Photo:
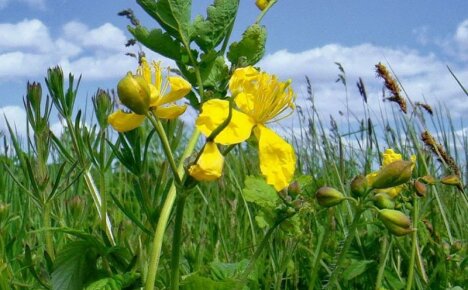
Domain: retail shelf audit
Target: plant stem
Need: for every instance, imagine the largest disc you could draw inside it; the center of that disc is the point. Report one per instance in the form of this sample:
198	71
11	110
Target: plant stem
245	275
318	255
48	233
346	245
384	250
414	240
165	214
176	241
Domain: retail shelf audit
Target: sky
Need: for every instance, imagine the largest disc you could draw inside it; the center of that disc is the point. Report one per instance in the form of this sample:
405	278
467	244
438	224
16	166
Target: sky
418	39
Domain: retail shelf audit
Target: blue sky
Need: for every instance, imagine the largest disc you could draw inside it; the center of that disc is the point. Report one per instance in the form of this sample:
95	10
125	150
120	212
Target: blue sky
417	38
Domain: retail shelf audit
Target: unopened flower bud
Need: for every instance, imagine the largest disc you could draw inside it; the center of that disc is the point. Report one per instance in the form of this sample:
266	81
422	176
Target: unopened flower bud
450	180
34	95
395	221
383	200
134	93
359	186
328	196
420	188
262	4
102	106
294	188
428	179
393	174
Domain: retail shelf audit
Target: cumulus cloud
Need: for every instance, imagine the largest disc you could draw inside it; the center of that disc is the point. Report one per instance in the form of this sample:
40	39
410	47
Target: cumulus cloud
423	76
27	49
461	39
16	117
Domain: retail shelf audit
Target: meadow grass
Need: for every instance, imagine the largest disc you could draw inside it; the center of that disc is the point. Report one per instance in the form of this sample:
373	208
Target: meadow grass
53	235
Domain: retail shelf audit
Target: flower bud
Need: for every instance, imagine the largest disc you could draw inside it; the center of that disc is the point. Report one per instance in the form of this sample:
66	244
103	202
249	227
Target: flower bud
294	189
34	95
262	4
134	93
359	186
102	106
393	174
450	180
76	204
383	200
420	188
395	221
328	196
428	179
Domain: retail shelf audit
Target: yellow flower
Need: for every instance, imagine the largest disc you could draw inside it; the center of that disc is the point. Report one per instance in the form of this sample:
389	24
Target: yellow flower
210	164
260	98
160	96
389	156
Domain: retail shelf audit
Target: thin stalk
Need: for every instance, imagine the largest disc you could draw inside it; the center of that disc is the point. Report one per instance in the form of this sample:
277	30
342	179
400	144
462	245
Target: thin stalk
176	241
48	233
384	251
318	256
264	11
166	146
346	245
414	240
165	214
102	181
263	244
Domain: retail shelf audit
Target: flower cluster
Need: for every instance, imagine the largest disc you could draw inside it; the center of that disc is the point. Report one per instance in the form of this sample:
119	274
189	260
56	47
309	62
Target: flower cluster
259	99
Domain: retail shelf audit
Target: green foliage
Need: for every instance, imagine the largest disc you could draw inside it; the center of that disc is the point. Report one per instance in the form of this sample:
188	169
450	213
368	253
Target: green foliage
250	49
209	32
256	190
159	41
117	282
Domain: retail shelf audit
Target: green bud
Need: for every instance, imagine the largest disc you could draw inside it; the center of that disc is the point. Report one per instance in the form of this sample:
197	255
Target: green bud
450	180
395	221
328	196
393	174
428	179
34	96
359	186
134	93
383	200
102	107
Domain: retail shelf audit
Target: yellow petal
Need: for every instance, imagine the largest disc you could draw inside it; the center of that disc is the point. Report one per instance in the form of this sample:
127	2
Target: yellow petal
179	88
210	164
124	122
170	112
277	158
245	102
243	79
389	156
214	113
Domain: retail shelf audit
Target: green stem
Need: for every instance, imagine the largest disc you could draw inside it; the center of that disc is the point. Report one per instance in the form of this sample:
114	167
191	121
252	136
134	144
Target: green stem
346	245
384	250
166	146
48	233
245	275
318	256
164	216
264	11
414	240
176	241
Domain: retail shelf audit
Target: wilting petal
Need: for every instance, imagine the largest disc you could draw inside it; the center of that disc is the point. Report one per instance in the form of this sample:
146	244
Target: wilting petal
214	113
170	112
179	88
277	158
210	164
124	122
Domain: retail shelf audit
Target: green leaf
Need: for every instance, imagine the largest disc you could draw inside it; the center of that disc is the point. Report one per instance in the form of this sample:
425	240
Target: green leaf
211	31
223	271
158	41
356	268
250	49
173	15
74	266
196	282
116	282
213	71
256	190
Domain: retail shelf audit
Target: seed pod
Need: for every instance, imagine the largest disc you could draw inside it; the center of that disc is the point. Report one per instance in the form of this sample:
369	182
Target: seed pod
428	179
328	196
359	186
134	93
383	200
395	221
393	174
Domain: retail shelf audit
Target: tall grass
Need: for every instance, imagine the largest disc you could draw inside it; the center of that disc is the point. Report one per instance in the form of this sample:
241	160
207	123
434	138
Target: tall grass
49	219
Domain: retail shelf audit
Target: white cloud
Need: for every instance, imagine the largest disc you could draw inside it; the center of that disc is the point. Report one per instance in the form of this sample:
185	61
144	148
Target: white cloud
16	117
422	76
461	39
27	49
